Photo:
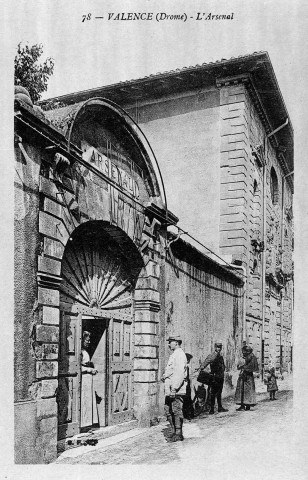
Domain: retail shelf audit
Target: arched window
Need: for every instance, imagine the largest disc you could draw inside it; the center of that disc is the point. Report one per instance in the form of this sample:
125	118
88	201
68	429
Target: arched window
274	186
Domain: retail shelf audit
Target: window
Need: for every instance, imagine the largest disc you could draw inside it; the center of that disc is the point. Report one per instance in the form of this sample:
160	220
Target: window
274	186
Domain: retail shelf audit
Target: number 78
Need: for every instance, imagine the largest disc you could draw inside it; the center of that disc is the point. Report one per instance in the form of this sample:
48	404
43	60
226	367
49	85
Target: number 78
86	17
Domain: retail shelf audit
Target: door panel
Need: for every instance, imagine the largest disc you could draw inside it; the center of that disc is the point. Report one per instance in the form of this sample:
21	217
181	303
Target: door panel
68	395
121	370
65	399
99	327
127	341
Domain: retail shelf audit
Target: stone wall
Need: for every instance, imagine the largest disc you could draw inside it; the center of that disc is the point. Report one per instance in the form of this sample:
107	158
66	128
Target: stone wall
148	336
278	255
180	124
203	304
234	176
50	207
241	220
35	340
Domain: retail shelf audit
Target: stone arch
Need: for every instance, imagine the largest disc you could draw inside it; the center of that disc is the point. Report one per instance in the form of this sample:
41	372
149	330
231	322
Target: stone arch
73	119
78	202
100	267
139	276
109	241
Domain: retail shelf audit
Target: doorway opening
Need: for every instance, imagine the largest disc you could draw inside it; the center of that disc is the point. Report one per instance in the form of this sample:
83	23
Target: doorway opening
98	280
94	373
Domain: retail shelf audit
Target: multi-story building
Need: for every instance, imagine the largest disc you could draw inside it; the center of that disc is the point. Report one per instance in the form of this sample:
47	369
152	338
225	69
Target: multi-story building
224	142
98	249
92	255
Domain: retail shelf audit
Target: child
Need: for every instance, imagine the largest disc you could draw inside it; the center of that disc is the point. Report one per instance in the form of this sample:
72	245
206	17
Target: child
272	383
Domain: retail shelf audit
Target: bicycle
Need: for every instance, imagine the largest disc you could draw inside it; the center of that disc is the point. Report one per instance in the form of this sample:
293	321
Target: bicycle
200	400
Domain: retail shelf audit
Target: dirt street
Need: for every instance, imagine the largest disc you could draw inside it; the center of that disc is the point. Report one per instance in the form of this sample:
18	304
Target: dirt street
259	444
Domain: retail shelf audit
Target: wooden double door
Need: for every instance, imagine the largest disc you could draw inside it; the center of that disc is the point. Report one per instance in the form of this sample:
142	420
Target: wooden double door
96	296
110	390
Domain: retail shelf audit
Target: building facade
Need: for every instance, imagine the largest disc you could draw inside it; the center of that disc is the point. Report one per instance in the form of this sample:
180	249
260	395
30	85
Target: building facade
224	141
92	253
102	178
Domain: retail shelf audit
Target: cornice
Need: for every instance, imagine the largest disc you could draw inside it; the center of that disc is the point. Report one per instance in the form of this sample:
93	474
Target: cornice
150	305
48	280
42	131
248	82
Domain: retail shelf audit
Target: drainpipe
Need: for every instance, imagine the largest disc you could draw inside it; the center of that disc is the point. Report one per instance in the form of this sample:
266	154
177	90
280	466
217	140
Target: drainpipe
282	291
282	208
281	332
240	267
292	333
263	264
278	128
282	250
264	239
288	174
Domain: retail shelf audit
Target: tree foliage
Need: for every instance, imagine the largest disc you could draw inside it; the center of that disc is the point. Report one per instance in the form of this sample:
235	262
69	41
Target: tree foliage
31	74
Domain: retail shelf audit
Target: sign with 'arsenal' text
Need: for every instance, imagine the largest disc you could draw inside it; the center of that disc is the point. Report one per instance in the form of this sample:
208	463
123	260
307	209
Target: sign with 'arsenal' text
110	168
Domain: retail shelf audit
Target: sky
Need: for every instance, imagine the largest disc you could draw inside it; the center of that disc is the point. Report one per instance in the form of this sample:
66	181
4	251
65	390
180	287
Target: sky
99	52
96	52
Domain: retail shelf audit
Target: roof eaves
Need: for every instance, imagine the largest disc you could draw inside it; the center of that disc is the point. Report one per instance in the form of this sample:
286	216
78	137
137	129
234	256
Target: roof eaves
224	270
154	77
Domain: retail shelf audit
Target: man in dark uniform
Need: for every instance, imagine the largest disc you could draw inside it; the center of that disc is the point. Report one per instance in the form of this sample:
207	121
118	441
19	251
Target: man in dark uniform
217	365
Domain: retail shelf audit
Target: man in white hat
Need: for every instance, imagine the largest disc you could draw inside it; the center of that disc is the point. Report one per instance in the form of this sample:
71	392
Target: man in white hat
175	387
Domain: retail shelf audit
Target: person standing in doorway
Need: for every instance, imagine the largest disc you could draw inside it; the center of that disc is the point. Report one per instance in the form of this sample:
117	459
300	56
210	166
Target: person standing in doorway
217	365
245	393
175	387
89	415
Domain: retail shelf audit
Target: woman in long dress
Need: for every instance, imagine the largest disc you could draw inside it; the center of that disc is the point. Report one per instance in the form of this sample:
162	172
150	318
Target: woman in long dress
89	415
245	394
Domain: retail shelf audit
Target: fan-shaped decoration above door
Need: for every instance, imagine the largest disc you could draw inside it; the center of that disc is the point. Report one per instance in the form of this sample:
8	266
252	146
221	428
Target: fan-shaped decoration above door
95	274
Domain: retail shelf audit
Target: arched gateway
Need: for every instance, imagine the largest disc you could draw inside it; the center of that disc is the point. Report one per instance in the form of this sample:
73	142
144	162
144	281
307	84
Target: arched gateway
102	220
96	295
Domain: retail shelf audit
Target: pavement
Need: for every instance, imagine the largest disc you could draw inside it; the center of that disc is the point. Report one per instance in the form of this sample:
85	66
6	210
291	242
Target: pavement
259	442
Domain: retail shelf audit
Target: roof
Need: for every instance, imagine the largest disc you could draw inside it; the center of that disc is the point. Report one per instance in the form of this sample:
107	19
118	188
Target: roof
188	252
235	65
257	65
177	73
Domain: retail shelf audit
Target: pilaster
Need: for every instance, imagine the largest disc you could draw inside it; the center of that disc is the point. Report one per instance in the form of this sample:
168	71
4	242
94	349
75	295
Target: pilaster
234	154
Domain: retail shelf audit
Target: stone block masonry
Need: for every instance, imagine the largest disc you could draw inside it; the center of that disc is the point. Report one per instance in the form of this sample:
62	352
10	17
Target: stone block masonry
147	306
47	333
51	315
49	388
46	369
48	424
46	351
234	151
48	297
